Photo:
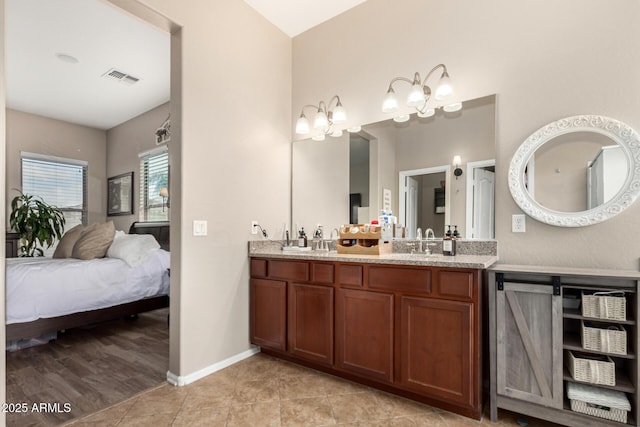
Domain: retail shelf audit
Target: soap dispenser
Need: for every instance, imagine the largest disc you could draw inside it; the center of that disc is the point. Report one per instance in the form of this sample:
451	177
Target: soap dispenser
302	239
449	243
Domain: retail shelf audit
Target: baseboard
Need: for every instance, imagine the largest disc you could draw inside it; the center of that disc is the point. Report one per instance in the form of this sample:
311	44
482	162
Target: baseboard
182	380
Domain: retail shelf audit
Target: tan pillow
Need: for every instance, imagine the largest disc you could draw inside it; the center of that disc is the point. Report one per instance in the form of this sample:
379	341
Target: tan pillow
65	246
94	241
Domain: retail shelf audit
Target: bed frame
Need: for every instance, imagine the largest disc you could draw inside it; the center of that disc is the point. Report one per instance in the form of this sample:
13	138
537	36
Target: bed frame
15	331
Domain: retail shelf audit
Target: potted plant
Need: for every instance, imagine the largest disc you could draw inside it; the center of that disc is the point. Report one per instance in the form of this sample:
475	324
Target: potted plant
37	223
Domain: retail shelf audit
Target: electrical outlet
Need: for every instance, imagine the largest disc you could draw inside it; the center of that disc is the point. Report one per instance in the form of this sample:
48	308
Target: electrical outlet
518	223
254	227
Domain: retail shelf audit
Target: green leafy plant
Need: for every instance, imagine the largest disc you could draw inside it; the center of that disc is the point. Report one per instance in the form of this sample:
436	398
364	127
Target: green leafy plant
37	223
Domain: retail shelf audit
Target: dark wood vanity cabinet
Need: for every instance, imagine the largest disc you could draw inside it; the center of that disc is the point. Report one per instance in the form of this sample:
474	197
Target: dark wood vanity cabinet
411	330
310	322
364	333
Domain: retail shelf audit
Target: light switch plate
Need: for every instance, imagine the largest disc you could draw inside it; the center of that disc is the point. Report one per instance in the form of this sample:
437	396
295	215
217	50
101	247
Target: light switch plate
199	228
518	223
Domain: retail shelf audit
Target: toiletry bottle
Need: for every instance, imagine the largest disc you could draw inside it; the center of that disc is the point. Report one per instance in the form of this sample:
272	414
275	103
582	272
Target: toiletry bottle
449	243
456	233
302	239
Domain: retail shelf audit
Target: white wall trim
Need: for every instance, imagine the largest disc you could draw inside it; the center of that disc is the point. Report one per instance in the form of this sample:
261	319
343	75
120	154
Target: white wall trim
179	380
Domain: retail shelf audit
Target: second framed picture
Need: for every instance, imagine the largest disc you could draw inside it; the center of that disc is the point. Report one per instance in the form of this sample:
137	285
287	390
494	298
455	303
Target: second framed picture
120	194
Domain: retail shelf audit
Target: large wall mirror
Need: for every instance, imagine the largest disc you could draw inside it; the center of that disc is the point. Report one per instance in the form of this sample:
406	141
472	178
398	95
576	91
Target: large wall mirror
351	178
577	171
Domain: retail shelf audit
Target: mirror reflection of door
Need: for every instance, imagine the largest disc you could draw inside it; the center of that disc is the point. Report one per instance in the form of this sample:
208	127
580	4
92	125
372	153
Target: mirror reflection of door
483	222
359	180
423	201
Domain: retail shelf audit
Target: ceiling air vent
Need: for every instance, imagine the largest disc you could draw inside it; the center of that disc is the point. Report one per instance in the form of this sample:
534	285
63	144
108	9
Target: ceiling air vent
121	77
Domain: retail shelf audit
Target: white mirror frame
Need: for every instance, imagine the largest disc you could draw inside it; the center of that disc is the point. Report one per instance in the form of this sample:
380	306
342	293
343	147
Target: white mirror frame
617	131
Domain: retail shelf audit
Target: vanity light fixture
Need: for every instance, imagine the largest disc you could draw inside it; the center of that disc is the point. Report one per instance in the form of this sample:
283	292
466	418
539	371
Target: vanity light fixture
456	162
324	119
420	94
354	129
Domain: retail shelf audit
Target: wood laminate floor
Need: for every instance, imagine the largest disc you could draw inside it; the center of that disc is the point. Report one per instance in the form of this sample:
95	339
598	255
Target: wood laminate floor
89	369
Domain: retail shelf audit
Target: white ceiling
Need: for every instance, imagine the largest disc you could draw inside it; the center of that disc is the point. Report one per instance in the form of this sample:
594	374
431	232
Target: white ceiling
102	37
296	16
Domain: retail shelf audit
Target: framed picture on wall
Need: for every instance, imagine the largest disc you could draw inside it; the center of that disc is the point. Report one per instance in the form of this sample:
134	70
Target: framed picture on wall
120	194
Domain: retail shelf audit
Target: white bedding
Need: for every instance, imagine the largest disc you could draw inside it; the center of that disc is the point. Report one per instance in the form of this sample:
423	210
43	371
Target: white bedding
44	287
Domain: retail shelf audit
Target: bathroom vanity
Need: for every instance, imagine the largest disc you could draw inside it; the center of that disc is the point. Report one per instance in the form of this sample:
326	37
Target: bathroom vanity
406	324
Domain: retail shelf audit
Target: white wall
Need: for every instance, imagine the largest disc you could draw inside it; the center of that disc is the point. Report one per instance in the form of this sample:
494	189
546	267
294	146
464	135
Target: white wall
42	135
124	143
544	59
230	153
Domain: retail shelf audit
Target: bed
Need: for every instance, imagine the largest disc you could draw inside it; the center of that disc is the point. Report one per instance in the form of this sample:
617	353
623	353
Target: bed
44	295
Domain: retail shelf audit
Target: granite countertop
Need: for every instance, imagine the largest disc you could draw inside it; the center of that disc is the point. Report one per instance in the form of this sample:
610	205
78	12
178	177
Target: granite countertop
435	260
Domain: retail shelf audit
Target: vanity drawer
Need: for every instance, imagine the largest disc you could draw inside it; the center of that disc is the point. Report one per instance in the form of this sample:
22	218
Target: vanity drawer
258	268
458	284
400	279
350	275
289	270
322	273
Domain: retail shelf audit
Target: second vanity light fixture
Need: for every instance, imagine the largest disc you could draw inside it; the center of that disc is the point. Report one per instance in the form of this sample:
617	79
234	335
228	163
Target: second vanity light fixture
456	162
420	94
326	116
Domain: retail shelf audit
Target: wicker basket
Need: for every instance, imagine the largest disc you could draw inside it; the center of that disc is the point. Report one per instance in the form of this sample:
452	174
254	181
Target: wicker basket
603	337
605	305
598	402
591	368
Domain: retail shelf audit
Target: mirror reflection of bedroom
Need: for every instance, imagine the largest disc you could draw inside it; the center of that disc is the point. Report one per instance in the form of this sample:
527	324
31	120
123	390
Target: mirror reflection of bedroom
88	129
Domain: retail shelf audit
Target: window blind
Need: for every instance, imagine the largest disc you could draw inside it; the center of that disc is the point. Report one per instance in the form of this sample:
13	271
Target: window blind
59	182
154	175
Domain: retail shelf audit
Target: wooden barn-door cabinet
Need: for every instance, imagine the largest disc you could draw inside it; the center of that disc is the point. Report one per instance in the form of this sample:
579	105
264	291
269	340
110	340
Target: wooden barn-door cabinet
529	343
533	338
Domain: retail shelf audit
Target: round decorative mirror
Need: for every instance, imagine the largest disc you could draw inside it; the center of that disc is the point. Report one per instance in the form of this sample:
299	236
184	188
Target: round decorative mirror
577	171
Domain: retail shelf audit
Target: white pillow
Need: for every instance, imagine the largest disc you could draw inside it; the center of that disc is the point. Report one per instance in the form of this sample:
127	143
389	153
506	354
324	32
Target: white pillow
133	249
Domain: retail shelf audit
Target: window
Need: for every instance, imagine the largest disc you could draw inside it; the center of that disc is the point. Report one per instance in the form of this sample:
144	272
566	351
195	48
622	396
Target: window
59	182
154	185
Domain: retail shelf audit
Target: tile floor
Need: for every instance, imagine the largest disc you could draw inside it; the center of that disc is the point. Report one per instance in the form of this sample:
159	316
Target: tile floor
265	391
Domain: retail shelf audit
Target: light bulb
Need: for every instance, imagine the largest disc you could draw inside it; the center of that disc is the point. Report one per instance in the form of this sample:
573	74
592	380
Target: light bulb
390	103
444	91
416	96
339	115
320	121
457	160
302	125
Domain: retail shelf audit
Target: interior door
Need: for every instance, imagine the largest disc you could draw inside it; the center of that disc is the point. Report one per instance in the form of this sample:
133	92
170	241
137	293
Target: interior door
411	193
483	204
529	343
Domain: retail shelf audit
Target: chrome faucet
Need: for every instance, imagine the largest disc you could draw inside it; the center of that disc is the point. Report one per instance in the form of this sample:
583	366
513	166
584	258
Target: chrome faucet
429	236
319	235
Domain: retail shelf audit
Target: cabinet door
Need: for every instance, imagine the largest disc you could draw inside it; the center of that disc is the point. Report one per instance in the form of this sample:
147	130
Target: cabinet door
529	343
364	333
268	313
311	322
437	348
